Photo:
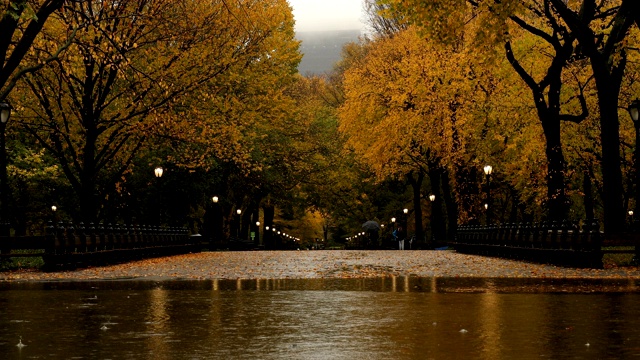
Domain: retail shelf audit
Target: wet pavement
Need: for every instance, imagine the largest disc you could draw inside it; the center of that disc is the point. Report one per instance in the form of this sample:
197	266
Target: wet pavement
323	264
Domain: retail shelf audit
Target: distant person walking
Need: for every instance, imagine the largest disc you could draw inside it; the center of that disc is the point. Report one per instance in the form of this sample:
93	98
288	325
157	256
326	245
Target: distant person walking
400	235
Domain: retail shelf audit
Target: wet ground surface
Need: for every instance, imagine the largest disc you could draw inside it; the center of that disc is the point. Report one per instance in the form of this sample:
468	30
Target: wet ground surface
330	264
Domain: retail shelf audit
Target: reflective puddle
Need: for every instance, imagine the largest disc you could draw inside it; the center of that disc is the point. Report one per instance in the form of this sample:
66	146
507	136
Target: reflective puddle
387	318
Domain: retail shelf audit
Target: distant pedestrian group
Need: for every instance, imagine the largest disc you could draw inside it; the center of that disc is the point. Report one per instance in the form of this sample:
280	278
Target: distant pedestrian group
400	235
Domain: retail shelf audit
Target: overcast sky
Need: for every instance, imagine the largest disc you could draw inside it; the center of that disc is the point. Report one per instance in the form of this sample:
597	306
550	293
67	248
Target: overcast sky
315	15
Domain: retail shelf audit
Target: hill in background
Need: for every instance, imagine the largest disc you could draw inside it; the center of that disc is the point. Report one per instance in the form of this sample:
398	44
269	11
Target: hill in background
322	49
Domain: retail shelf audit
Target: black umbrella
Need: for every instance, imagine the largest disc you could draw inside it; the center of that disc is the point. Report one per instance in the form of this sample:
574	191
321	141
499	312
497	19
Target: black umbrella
371	225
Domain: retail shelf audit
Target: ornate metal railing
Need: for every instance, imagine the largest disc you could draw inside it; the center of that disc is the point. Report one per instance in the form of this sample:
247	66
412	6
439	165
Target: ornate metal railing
77	244
566	243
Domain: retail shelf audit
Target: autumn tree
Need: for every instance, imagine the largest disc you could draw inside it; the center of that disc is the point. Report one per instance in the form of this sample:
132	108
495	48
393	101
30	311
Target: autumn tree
21	24
407	110
132	75
598	30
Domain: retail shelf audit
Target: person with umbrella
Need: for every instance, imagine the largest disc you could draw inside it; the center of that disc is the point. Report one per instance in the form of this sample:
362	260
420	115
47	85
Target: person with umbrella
371	228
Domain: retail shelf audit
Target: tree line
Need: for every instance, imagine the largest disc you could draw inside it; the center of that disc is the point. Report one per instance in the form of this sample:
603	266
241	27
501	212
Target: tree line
105	91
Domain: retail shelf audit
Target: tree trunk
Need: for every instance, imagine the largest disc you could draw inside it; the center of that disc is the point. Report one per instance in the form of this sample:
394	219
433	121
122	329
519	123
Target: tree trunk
437	221
611	171
588	197
255	229
556	197
549	114
416	184
246	223
269	212
451	206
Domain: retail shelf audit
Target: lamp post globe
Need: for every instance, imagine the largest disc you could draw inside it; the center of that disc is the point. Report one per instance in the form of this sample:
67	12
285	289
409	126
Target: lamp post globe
5	111
634	110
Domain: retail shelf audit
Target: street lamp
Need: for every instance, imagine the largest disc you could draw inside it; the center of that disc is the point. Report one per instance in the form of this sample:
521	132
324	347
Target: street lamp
488	169
432	198
405	219
158	172
238	212
5	114
634	109
216	222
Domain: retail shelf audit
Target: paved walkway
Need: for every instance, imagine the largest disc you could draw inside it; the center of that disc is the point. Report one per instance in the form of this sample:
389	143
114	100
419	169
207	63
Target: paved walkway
322	264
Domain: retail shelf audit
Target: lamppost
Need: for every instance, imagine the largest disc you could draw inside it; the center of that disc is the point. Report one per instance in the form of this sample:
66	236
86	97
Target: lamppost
433	222
158	172
53	210
634	109
257	240
216	223
488	169
5	114
238	212
405	218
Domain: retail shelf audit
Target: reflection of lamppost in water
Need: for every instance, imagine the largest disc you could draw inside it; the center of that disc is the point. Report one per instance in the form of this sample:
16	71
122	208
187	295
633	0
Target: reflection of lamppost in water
5	114
488	206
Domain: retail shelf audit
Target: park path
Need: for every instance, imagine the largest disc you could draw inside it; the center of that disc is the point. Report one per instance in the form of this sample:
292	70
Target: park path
321	264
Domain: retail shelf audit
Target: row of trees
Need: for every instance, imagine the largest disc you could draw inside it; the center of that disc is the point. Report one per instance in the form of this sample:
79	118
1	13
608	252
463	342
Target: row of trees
105	91
538	89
